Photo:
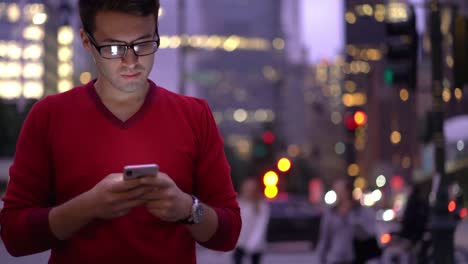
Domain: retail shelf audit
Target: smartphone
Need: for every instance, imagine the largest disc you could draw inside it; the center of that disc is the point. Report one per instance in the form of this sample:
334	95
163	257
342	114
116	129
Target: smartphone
136	171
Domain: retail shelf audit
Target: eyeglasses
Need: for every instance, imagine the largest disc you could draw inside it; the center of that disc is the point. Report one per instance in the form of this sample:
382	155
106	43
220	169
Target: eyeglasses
118	51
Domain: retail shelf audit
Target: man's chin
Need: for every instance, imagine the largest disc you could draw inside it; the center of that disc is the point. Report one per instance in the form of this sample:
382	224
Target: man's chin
133	86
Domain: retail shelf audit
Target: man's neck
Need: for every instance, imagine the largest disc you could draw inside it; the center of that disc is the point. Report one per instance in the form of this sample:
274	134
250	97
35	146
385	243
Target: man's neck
114	96
122	104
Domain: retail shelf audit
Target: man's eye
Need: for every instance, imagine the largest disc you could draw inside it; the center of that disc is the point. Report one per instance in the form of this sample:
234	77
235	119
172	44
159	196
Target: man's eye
115	50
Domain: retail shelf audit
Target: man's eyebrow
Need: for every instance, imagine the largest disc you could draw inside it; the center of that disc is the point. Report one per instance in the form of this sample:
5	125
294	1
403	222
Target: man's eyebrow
111	40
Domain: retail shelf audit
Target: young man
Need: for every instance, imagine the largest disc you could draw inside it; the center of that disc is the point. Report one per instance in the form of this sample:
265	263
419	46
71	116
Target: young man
66	190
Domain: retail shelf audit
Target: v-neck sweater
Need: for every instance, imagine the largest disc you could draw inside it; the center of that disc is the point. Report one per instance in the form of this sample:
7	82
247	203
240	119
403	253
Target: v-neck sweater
91	90
71	141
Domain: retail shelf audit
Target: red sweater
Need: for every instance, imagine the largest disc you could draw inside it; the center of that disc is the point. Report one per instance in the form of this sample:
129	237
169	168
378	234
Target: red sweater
71	141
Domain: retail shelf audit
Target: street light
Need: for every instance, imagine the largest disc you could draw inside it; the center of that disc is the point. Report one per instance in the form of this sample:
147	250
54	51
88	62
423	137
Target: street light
284	164
270	180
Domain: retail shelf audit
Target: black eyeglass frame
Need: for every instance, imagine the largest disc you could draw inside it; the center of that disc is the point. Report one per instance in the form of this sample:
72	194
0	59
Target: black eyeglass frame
127	46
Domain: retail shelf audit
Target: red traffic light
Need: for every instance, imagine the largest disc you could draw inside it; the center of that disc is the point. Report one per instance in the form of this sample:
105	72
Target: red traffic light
463	213
353	120
268	137
360	118
452	206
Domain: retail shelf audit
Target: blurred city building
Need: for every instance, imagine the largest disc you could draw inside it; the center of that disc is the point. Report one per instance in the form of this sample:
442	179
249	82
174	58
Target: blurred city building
395	142
247	61
22	52
388	144
39	56
23	65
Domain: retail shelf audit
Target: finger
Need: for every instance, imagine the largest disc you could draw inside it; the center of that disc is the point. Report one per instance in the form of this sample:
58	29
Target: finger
153	195
133	194
124	185
161	181
148	180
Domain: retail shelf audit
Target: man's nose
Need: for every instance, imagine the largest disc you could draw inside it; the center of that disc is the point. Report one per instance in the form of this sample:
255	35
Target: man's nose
130	57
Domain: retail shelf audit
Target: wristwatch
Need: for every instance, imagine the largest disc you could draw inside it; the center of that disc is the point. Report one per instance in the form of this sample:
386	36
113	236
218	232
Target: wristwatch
196	213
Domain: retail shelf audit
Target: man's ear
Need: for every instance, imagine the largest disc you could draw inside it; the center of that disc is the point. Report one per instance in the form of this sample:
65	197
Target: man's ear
85	40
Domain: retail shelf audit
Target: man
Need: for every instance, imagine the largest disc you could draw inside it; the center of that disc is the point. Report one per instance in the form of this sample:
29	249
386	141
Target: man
66	190
347	230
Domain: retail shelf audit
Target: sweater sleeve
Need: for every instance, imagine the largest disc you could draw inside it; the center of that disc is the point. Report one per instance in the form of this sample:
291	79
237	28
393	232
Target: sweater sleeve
213	184
24	219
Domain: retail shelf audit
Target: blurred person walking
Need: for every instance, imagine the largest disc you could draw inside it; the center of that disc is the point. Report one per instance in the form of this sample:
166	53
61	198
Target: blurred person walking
255	214
413	240
415	215
347	230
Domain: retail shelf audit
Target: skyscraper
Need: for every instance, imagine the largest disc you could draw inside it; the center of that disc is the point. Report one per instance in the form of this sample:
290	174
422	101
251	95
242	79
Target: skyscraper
388	144
246	73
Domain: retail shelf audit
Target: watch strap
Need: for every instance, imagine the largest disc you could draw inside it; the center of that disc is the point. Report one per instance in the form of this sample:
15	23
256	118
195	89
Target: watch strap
193	218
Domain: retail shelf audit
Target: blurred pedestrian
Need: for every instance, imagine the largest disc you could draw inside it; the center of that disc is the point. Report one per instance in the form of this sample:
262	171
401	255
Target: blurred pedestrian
255	213
66	191
345	229
411	240
415	216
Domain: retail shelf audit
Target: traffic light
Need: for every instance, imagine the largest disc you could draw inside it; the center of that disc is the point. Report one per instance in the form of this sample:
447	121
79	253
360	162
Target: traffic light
263	162
263	153
360	118
263	147
268	137
259	150
270	180
402	46
354	119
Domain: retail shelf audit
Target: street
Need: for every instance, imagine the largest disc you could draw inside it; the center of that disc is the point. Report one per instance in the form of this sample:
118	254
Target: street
277	253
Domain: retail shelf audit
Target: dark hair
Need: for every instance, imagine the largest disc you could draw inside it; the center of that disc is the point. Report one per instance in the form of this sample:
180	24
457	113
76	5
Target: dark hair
89	9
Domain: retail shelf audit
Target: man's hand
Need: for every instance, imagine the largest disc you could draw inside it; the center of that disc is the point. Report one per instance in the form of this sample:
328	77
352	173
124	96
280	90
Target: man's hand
166	200
114	197
111	197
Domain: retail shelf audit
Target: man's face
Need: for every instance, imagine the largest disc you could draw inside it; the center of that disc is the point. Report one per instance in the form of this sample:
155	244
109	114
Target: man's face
129	73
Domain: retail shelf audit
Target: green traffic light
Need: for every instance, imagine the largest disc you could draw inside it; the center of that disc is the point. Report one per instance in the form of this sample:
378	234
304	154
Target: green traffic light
260	151
388	76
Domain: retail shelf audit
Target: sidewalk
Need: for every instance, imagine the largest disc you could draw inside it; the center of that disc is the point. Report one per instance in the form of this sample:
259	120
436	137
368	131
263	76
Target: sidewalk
293	252
277	253
209	257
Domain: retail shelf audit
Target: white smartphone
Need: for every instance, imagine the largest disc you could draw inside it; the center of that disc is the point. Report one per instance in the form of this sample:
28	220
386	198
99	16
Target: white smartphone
136	171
